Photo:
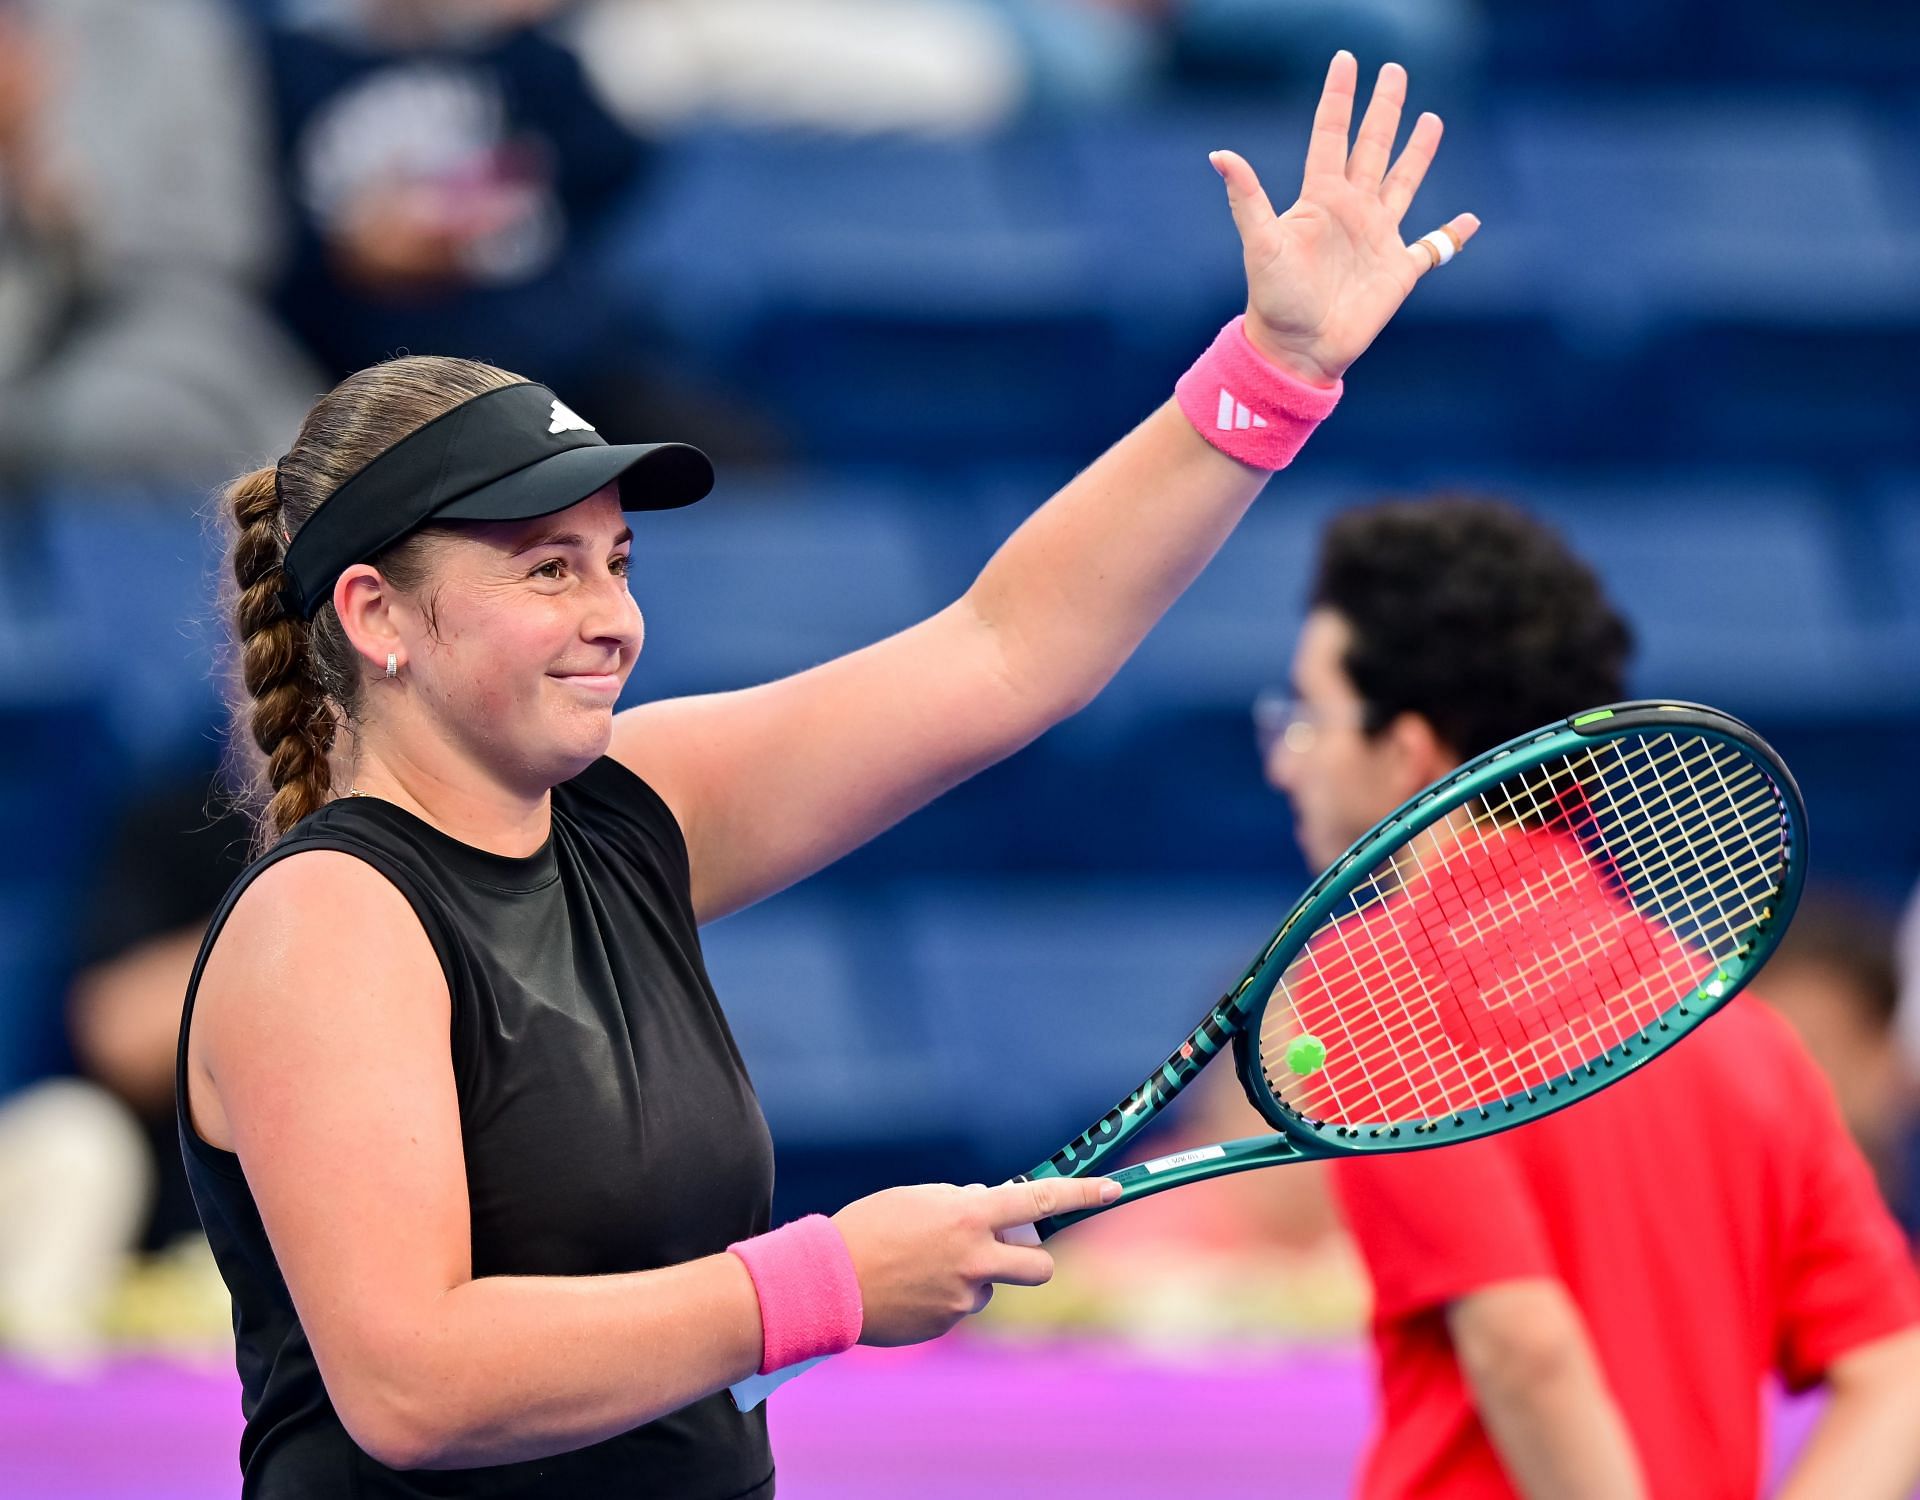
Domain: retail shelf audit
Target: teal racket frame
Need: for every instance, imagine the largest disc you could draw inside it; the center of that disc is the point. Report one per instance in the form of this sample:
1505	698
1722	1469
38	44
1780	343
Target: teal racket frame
1299	1138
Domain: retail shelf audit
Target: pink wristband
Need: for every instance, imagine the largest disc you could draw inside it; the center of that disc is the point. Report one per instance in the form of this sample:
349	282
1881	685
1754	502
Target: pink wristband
1248	407
809	1295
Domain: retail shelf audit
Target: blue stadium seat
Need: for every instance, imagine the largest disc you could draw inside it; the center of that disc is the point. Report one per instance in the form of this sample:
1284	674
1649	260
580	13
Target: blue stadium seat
1859	42
137	572
1707	563
1738	585
60	778
1893	535
883	295
1701	316
1046	1002
836	1049
1702	211
1854	766
964	226
763	580
1896	147
1613	41
33	1041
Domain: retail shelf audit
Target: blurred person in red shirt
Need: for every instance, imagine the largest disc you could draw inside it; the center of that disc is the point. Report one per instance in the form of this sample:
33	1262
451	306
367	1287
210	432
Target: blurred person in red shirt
1589	1307
1835	981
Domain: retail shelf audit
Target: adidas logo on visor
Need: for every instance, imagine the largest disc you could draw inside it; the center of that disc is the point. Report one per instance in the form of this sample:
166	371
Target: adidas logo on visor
566	419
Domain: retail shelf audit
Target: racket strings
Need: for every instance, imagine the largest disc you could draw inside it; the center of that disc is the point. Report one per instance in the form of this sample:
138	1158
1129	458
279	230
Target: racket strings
1407	970
1661	875
1549	921
1645	862
1435	1051
1523	800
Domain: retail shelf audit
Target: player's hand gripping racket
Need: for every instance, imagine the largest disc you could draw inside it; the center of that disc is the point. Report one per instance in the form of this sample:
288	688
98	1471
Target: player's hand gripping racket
1526	931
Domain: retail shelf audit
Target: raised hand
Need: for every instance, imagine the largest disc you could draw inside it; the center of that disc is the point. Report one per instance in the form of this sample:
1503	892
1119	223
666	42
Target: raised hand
1325	277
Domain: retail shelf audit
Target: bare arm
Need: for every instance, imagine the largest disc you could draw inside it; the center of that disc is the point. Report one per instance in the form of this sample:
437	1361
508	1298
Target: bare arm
1867	1444
1541	1394
773	782
331	1078
325	1066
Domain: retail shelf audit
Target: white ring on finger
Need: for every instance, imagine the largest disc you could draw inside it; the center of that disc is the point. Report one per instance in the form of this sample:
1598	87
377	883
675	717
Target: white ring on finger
1442	244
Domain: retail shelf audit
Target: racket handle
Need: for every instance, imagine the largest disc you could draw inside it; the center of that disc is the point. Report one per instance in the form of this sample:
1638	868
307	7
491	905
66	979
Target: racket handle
749	1393
1146	1178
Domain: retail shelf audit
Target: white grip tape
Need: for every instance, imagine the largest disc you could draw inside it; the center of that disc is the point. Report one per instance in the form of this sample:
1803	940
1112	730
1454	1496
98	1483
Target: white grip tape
1441	243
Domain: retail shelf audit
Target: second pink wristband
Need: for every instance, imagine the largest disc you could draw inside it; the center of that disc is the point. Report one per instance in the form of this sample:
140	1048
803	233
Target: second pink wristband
808	1292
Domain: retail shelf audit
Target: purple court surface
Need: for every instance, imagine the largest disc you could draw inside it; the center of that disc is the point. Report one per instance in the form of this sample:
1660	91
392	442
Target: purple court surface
1068	1420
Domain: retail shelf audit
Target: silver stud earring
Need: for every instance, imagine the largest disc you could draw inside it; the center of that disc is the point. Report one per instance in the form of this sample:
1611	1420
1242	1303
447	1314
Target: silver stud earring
393	664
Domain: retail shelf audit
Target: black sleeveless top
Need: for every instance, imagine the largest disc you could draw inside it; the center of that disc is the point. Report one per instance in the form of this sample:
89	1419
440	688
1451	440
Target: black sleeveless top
609	1126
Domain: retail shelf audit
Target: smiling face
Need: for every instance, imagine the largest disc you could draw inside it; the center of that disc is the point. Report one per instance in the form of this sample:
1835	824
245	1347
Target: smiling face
522	640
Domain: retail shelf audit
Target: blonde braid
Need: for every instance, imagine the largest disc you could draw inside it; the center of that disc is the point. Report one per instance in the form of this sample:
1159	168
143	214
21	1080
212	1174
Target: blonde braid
286	709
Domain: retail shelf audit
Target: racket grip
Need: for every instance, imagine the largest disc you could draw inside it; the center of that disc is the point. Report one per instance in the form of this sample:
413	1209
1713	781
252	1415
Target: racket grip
1046	1229
749	1393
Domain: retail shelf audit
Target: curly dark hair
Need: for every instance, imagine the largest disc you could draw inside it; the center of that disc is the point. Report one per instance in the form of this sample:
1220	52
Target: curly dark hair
1472	614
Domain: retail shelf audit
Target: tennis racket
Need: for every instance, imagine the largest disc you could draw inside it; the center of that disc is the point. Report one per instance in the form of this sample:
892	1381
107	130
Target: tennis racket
1535	926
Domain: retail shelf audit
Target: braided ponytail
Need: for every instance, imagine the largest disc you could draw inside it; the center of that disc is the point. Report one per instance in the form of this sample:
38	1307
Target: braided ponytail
287	716
299	682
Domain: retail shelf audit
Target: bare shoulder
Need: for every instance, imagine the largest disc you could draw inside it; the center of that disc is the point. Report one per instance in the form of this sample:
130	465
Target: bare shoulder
320	920
320	943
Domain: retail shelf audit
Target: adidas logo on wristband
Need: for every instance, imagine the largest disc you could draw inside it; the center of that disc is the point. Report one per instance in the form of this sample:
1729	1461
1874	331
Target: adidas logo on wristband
1233	414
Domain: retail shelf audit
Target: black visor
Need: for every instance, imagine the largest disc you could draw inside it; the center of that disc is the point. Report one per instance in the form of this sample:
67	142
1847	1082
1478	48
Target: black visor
508	455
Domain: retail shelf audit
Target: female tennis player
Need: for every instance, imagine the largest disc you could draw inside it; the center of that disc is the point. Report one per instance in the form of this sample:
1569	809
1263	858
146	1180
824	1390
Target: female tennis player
472	1142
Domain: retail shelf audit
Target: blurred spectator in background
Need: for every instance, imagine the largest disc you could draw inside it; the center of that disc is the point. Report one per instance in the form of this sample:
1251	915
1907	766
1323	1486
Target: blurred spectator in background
447	163
948	65
1833	978
1906	1025
136	238
74	1181
90	1167
839	65
173	853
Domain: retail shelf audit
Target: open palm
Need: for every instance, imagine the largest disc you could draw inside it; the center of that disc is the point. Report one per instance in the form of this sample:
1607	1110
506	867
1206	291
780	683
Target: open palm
1326	276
